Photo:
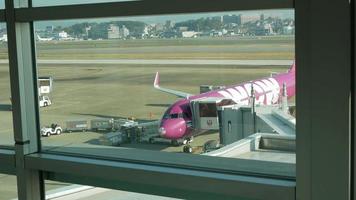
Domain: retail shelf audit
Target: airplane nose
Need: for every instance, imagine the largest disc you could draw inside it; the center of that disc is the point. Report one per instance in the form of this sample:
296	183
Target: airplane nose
162	131
172	129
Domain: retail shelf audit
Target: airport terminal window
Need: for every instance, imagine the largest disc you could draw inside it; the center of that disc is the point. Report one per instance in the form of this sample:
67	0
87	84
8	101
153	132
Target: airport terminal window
94	88
6	129
8	189
109	82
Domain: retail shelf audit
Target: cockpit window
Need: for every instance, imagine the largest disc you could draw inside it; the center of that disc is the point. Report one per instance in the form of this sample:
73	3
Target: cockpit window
173	116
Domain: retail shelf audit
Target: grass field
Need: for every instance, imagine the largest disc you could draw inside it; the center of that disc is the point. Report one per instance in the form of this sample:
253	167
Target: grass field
92	91
124	91
197	48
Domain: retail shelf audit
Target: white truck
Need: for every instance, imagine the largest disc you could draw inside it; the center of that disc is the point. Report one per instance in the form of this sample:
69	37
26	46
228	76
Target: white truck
44	101
55	129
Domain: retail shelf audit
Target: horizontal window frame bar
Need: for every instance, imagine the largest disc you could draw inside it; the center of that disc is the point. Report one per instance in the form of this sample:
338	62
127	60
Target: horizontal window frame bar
144	7
258	168
7	161
157	180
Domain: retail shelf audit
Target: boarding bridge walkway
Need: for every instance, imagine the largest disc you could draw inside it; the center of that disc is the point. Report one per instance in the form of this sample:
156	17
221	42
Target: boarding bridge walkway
282	123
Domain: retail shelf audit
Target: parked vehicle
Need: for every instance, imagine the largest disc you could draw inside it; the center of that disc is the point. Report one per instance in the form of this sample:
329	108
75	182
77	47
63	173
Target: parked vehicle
124	123
54	129
44	101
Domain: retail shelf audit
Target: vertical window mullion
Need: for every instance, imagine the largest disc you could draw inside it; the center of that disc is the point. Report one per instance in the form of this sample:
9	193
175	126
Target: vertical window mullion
24	101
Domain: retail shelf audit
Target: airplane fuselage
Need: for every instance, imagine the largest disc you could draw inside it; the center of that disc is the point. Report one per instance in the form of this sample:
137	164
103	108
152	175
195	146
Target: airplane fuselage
175	122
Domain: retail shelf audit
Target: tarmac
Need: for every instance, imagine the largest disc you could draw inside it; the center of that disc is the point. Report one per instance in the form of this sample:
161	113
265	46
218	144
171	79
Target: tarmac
167	62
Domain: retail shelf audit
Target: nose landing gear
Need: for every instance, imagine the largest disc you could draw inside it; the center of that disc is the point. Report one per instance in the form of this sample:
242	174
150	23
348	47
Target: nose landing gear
187	149
188	140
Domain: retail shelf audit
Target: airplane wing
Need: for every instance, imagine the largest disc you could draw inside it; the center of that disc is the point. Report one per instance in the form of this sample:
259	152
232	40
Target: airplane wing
169	91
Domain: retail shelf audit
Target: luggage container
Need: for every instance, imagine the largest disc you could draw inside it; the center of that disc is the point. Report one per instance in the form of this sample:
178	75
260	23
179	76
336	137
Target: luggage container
102	124
114	139
77	125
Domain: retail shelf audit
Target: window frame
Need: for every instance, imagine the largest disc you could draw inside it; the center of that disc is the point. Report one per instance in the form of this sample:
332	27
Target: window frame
147	8
36	165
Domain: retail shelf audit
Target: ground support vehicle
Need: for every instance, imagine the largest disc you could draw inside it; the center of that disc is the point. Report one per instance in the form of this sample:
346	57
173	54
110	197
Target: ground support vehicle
44	101
54	129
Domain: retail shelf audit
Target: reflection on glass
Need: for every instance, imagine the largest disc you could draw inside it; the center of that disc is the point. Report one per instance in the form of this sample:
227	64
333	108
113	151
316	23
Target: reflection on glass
8	189
39	3
60	190
6	129
193	83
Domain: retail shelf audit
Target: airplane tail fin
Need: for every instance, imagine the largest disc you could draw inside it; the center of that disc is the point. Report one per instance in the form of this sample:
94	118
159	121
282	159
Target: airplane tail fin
292	68
156	82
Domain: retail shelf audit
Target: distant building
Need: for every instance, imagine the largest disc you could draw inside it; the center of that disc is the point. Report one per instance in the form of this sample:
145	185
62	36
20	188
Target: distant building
262	17
288	30
124	32
3	38
113	32
158	27
227	19
243	19
224	31
146	30
169	24
218	18
268	29
182	28
62	35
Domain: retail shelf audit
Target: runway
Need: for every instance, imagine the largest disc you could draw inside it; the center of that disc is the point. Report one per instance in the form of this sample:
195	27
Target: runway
165	62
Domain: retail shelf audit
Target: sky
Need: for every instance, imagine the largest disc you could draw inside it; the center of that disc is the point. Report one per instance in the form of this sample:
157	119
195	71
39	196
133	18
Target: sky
149	19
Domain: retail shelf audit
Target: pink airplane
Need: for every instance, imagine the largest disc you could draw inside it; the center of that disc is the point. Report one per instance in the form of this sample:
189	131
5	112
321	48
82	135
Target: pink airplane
176	121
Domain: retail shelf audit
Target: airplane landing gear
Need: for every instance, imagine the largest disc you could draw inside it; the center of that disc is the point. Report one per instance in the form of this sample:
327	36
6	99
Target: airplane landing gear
175	143
187	149
188	140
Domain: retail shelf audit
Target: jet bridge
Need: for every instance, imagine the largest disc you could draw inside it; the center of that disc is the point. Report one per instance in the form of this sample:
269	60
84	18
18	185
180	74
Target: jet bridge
261	146
238	122
205	112
235	122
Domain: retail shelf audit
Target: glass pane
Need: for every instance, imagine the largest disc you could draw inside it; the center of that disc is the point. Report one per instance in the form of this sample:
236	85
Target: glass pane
198	84
39	3
6	129
8	189
67	191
